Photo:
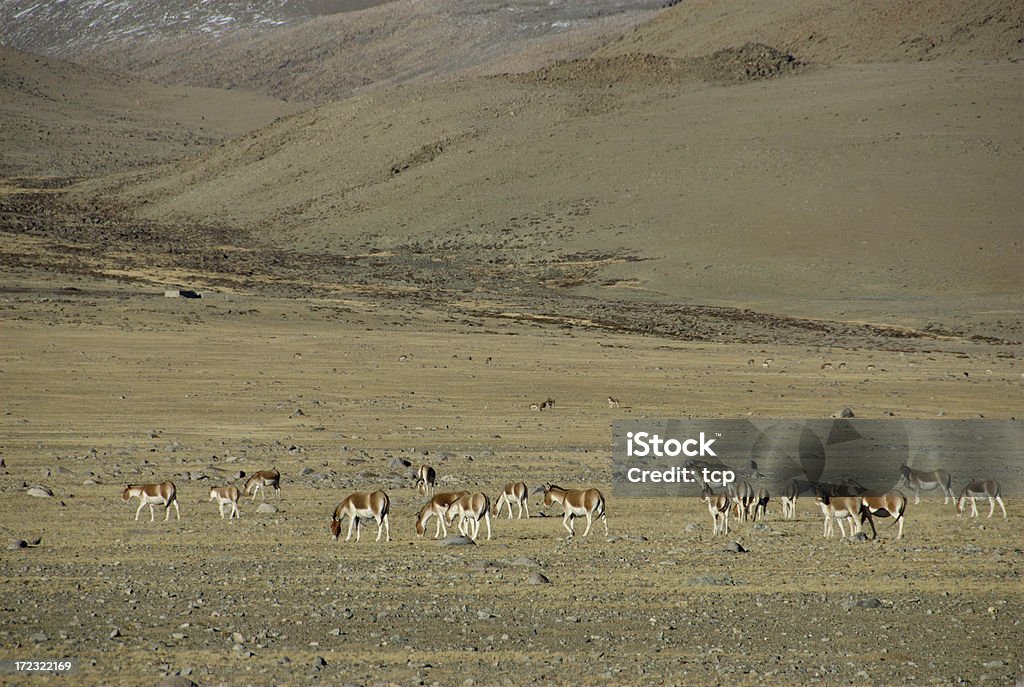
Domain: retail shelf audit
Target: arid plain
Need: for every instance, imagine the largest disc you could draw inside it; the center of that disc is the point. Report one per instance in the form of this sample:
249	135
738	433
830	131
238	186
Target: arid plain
398	275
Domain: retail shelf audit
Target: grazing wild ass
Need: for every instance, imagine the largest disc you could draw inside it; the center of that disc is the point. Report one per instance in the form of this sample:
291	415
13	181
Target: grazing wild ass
984	489
514	492
577	502
260	481
426	477
362	506
437	507
470	509
926	480
790	493
719	506
162	494
839	508
892	504
226	496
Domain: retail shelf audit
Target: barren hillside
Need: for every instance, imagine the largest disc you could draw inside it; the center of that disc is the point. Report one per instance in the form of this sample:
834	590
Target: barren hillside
837	32
745	169
882	192
62	119
332	55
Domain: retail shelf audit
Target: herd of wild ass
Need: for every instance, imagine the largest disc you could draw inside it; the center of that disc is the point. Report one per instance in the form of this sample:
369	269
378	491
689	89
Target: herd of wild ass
468	509
838	503
848	501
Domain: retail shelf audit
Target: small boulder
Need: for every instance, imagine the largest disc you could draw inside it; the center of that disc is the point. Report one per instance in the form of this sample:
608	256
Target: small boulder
537	578
456	540
524	562
176	681
40	492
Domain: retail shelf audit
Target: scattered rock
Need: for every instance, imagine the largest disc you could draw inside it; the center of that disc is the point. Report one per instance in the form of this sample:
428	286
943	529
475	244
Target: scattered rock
751	62
842	414
39	638
537	578
860	537
692	527
998	663
40	492
456	540
319	662
266	508
735	547
176	681
864	603
399	464
17	544
115	633
715	581
481	566
525	562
